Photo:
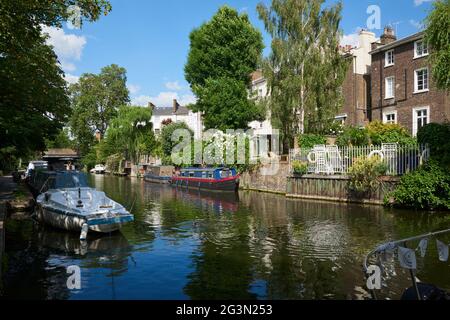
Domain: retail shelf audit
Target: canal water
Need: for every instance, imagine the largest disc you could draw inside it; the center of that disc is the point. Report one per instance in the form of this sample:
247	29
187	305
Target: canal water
191	245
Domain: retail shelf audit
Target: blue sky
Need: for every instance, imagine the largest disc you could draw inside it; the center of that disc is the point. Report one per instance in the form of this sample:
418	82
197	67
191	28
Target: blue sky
150	39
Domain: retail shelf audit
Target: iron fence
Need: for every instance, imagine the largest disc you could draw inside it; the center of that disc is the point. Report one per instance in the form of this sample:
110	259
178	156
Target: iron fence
399	159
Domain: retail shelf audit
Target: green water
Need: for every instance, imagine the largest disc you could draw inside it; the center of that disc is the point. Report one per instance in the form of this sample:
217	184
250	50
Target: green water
190	245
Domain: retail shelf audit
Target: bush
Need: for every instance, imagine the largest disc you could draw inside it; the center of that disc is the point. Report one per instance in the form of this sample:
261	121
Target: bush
380	133
308	141
365	172
427	188
353	136
300	167
437	136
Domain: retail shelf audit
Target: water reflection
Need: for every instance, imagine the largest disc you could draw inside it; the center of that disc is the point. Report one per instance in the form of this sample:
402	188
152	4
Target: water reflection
197	245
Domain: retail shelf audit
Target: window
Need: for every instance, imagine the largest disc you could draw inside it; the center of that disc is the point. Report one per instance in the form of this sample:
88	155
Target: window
390	117
390	90
421	117
157	131
421	80
420	49
389	58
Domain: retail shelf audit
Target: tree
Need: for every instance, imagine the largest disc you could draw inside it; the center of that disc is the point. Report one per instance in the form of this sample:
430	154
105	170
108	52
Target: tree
305	69
130	134
96	100
166	136
437	35
223	54
33	100
60	141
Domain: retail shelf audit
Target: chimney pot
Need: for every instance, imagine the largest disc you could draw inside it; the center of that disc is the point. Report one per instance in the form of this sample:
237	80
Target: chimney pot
175	105
388	36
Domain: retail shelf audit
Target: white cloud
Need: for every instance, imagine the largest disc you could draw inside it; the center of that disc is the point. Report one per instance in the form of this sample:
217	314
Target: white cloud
174	86
164	99
416	24
134	88
420	2
350	39
68	47
71	79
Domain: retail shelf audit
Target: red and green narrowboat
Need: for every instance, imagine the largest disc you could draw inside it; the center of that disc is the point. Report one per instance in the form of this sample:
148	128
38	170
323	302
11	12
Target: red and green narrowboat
211	179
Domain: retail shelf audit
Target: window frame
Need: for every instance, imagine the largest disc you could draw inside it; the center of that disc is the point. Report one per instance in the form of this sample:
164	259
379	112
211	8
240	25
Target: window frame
416	118
424	45
386	97
386	58
416	80
389	113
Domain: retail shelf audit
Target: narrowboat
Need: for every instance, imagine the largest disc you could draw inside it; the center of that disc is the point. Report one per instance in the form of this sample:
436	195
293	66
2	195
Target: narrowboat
159	174
65	201
211	179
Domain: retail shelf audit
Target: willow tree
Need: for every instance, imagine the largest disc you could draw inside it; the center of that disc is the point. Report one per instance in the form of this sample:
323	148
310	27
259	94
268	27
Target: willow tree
305	69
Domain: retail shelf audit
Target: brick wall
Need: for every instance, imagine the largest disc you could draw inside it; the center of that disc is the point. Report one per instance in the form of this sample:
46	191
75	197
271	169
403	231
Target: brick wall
405	98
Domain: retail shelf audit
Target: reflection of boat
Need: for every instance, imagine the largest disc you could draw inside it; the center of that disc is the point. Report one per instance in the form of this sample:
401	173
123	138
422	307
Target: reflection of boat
209	200
98	169
159	174
70	204
213	179
69	243
373	265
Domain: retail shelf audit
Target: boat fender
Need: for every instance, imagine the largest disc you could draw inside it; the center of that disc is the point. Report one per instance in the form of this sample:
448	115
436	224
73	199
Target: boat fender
84	231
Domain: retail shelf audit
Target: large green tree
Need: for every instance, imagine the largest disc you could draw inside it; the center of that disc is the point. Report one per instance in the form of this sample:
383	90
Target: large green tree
305	70
33	98
130	134
224	52
437	35
96	99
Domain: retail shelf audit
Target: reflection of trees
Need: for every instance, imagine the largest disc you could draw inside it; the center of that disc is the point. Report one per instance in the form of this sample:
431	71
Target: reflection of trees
2	247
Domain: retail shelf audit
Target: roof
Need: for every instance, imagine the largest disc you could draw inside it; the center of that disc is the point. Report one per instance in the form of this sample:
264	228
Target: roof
61	153
203	169
182	111
399	42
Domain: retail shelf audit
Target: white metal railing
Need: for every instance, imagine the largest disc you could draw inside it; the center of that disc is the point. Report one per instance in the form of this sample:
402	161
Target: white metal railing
399	159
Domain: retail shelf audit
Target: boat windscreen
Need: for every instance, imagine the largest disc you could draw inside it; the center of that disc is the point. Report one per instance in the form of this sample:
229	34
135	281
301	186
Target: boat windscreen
69	180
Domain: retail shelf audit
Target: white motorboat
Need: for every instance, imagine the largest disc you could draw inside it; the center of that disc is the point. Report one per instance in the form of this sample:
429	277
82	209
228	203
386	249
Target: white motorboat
98	169
68	203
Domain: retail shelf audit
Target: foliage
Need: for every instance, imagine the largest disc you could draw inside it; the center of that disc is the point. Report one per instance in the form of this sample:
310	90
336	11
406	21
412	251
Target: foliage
437	35
305	70
95	102
426	188
365	172
129	134
60	141
223	53
226	103
33	99
437	136
380	133
353	136
300	167
308	141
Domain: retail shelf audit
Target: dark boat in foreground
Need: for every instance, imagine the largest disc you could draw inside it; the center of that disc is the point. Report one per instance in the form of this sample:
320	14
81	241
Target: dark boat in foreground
211	179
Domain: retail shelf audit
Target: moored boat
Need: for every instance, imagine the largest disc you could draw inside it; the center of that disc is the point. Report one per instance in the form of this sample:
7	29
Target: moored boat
159	174
66	202
98	169
212	179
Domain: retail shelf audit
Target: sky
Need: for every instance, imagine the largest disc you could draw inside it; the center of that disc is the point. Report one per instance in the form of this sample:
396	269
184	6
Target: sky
150	39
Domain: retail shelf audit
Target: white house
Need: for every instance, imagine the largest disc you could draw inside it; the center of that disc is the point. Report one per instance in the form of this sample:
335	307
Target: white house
176	114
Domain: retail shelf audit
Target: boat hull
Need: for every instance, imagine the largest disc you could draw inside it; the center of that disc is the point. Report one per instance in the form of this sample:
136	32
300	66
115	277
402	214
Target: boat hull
69	222
223	185
156	179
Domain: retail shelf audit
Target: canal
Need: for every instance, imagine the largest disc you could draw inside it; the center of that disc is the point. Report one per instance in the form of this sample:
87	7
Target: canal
190	245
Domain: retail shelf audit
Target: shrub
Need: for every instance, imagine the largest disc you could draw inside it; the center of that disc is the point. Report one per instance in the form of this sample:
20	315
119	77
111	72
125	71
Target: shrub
426	188
380	133
365	172
300	167
353	136
437	136
308	141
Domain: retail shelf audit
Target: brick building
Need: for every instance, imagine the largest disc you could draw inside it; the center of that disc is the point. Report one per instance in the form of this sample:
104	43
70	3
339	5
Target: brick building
356	86
402	90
